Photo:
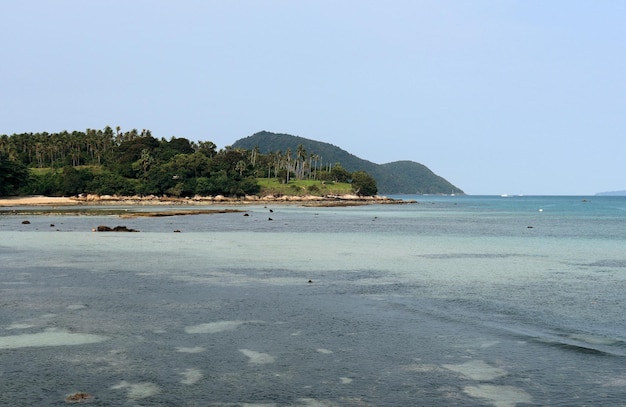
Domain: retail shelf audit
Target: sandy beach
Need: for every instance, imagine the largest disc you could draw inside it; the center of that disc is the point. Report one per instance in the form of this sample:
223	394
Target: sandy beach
36	201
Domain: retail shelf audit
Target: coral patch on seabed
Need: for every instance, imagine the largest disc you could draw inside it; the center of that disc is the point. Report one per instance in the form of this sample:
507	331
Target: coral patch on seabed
197	349
215	327
78	397
191	376
50	337
477	370
136	391
500	396
257	358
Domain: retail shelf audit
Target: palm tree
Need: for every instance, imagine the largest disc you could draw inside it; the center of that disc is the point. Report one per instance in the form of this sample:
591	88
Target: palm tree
145	161
278	163
253	155
317	158
119	137
240	166
39	154
300	157
288	155
8	148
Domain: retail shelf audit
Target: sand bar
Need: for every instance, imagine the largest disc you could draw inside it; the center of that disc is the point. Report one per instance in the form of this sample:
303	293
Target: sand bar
37	201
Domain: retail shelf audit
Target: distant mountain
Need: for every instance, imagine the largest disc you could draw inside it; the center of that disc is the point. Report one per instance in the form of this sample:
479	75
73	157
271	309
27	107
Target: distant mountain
612	193
400	177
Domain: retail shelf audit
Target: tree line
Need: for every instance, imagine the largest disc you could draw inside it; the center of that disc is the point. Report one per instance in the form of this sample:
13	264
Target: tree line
113	162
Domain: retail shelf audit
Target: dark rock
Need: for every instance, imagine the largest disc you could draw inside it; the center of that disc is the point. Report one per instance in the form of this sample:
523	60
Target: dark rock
123	229
115	229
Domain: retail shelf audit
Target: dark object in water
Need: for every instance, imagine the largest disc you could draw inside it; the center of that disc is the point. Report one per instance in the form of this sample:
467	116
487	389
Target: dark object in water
25	222
115	229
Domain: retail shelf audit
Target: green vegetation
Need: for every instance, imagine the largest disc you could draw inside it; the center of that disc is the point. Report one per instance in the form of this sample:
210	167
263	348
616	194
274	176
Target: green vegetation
363	183
13	174
108	162
401	177
273	186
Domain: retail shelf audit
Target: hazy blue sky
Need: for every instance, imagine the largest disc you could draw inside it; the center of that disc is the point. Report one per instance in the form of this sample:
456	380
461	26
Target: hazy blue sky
501	96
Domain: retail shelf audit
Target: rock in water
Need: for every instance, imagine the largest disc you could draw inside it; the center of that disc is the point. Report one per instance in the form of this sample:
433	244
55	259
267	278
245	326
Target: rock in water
102	228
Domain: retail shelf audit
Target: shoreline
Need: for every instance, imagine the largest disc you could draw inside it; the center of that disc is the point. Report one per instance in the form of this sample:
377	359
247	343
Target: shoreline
104	200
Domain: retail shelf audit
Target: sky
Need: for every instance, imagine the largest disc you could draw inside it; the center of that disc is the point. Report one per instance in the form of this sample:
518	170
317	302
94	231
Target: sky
501	96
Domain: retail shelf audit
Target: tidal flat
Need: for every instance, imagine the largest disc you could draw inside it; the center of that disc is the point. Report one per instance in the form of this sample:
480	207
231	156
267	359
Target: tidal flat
454	302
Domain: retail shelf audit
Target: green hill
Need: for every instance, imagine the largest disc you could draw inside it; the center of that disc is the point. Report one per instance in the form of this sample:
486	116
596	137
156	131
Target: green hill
400	177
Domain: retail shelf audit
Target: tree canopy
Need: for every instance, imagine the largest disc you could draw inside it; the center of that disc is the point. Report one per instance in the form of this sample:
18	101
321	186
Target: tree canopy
363	183
112	162
13	175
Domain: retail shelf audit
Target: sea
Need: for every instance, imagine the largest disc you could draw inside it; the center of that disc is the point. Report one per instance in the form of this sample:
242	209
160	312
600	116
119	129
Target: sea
440	301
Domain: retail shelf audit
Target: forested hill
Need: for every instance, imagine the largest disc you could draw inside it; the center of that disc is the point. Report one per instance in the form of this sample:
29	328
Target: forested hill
400	177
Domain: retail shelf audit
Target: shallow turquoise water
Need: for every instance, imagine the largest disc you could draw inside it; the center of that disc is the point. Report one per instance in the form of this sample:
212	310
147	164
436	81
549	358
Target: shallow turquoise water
454	301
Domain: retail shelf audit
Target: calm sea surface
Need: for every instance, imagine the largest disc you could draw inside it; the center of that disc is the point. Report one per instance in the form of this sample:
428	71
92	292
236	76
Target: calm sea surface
453	301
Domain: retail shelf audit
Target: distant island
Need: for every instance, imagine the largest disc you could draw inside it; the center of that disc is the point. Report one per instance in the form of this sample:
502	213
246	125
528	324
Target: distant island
399	177
612	193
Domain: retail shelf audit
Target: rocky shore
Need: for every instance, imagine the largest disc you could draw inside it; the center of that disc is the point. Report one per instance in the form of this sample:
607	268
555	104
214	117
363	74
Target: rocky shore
305	200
